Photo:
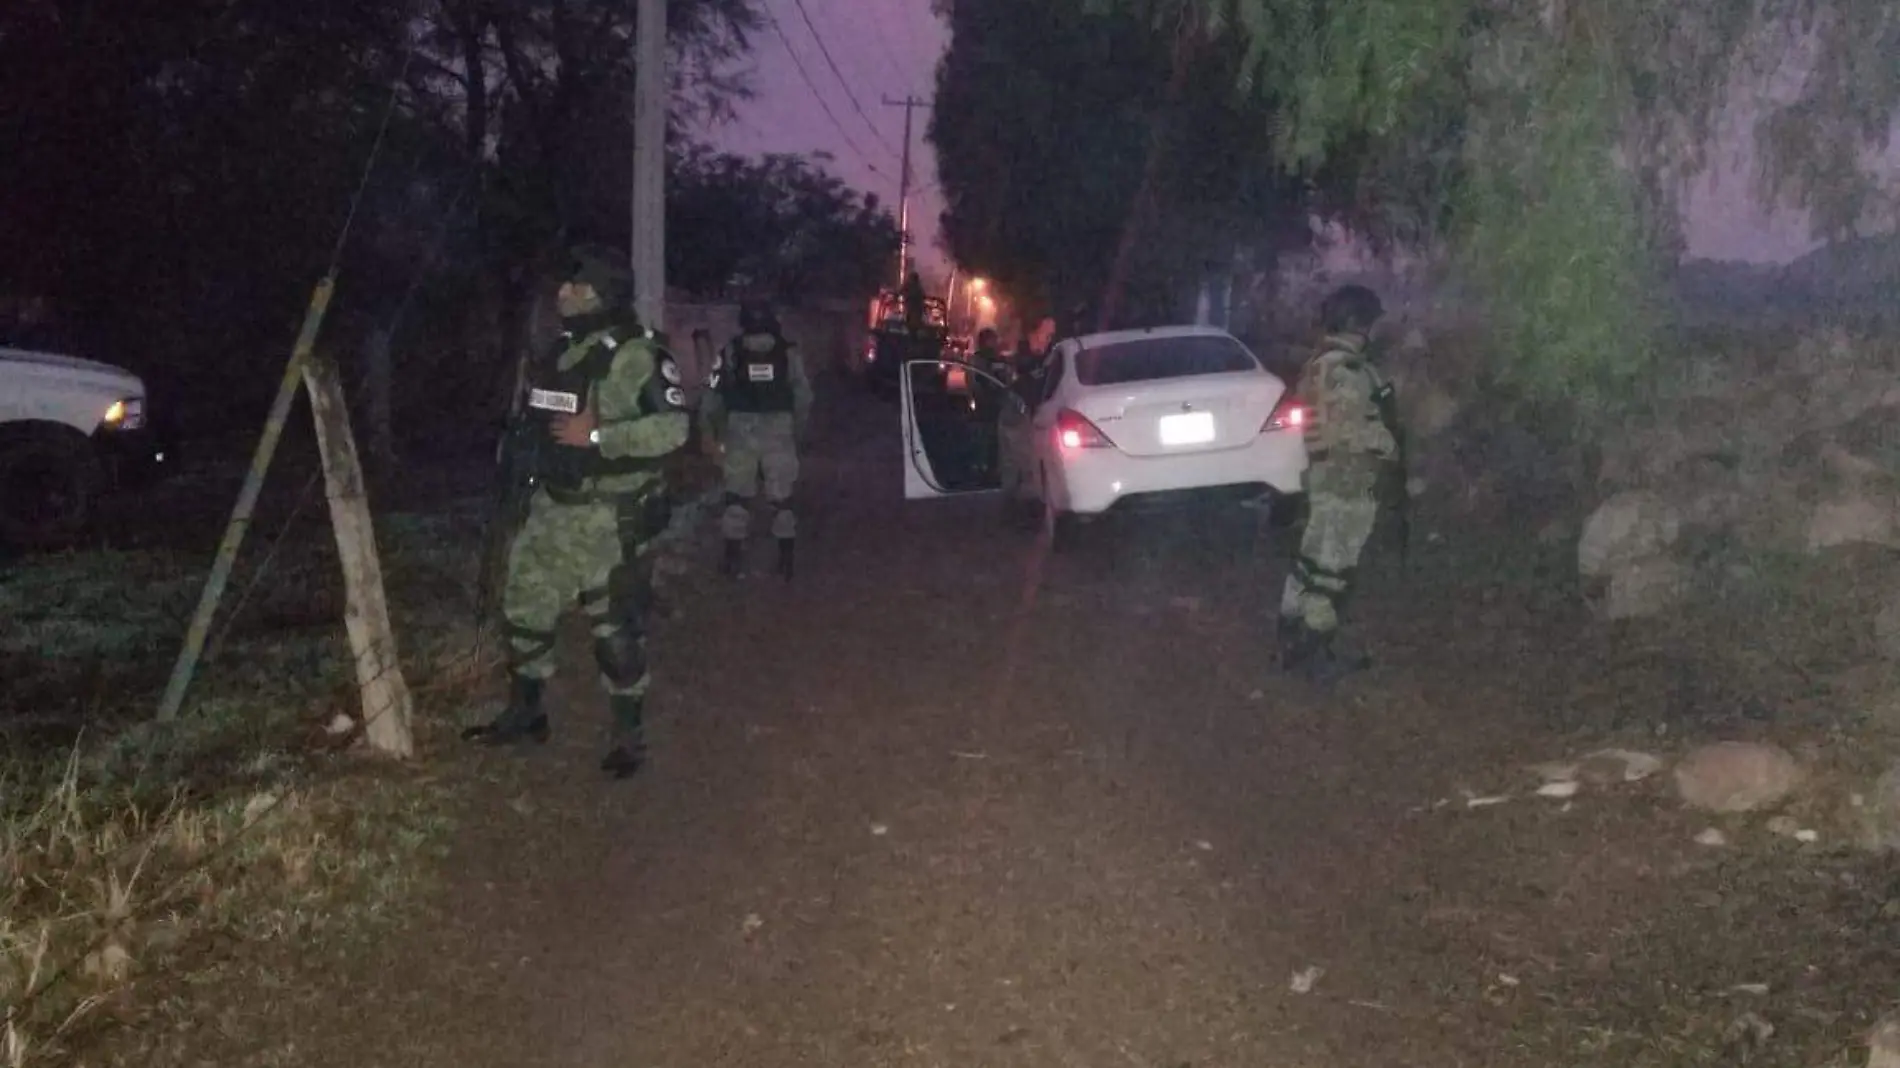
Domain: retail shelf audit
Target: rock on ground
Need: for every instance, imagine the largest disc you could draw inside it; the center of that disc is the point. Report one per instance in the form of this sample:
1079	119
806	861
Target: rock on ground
1860	519
1608	767
1632	526
1883	1044
1880	816
1737	776
1645	587
1887	627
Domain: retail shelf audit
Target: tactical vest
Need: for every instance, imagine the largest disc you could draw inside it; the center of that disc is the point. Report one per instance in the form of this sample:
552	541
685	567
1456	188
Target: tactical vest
757	381
1318	428
566	469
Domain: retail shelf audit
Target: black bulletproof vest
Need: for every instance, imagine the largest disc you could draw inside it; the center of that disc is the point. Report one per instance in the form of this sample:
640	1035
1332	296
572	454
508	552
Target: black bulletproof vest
554	391
758	381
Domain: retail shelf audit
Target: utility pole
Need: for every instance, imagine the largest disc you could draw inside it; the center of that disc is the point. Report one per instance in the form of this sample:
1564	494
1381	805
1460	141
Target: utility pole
647	251
909	104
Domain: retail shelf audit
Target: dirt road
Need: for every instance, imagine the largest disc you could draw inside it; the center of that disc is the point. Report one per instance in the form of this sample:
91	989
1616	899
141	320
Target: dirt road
947	800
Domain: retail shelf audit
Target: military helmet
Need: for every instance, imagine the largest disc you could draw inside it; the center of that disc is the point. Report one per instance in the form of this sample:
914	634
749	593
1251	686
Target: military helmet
756	316
599	268
1350	310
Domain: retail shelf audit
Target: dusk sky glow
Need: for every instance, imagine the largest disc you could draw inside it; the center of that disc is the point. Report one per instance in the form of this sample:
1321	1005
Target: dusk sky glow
890	48
884	49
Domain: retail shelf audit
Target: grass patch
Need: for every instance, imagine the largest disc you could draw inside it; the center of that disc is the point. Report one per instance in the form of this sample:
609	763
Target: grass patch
103	893
135	856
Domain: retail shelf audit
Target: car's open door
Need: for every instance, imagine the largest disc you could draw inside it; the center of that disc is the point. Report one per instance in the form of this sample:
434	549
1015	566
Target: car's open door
949	413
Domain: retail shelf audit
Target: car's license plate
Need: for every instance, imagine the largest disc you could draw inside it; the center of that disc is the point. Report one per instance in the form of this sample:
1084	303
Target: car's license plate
1188	428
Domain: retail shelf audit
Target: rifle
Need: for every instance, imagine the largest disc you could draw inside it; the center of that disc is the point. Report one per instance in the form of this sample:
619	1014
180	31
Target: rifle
515	456
707	369
1387	400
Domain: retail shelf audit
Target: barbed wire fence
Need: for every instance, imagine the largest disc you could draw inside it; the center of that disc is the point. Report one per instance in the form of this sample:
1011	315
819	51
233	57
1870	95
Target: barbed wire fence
295	561
133	855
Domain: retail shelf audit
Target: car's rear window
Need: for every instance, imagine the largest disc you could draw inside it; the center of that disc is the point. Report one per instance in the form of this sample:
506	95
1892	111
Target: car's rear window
1147	359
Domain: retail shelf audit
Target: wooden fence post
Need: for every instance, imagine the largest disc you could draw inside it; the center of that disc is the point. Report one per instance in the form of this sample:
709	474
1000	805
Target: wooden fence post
387	706
200	628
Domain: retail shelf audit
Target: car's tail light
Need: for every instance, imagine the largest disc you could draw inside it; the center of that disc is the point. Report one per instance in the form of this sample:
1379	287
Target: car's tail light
1290	414
1075	432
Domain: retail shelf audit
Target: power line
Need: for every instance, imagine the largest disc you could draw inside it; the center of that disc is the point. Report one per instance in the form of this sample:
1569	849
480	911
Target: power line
825	51
886	50
887	64
820	97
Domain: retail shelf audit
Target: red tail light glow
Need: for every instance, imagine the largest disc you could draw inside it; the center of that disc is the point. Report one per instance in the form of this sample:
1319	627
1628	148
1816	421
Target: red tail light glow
1075	432
1290	414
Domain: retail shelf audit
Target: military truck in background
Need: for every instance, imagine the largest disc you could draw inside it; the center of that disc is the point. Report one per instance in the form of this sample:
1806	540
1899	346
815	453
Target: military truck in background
893	340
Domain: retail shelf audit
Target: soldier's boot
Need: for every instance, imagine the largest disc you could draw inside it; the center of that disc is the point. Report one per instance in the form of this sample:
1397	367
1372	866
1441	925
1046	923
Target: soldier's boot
628	753
732	565
1329	664
521	721
1295	642
785	550
1350	654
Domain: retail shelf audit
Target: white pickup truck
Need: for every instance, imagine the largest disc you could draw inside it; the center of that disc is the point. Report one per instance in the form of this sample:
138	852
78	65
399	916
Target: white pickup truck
70	430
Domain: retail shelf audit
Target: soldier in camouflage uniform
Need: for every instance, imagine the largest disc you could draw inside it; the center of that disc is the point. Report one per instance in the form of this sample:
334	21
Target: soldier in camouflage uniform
612	406
757	405
1350	439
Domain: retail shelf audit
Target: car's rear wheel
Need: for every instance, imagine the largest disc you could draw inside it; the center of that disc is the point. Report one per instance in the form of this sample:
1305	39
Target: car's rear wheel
1063	529
1286	510
50	482
1060	527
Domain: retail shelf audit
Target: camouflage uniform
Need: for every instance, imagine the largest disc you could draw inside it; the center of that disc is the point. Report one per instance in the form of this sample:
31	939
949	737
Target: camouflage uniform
1348	445
590	523
757	405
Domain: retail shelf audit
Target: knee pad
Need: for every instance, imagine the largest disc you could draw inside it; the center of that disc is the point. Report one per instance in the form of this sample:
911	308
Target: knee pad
622	657
526	646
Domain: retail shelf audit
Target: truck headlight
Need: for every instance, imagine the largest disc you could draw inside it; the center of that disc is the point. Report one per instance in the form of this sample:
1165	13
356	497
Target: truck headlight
127	414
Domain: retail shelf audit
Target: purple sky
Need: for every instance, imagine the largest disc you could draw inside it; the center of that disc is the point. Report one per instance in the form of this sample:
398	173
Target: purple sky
890	48
884	49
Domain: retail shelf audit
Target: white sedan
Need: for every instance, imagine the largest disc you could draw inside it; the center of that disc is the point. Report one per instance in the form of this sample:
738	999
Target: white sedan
1114	420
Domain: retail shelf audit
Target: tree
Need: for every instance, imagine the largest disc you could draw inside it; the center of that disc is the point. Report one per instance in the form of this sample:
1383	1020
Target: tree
540	92
1027	103
1095	161
780	224
1547	140
176	180
539	95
